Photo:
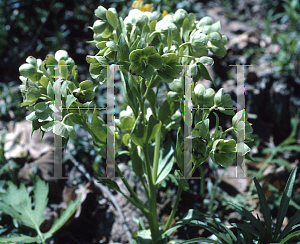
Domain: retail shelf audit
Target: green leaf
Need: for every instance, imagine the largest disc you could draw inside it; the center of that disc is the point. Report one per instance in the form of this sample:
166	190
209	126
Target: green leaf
100	12
47	127
223	152
223	100
215	27
112	19
64	216
215	38
70	100
138	133
249	216
137	163
165	162
191	215
291	235
167	109
17	203
203	239
50	91
264	208
206	60
144	236
112	45
186	29
21	238
153	127
124	49
204	73
284	204
98	127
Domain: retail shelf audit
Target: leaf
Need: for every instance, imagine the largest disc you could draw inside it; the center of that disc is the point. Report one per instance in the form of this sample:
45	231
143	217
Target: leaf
137	163
284	204
17	203
20	238
124	49
112	19
64	216
191	215
50	91
70	100
167	109
204	73
196	240
144	236
249	216
185	29
138	134
264	208
98	128
166	160
153	126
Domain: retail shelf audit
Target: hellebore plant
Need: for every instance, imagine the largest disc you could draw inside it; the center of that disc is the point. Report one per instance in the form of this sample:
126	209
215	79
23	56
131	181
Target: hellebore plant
150	49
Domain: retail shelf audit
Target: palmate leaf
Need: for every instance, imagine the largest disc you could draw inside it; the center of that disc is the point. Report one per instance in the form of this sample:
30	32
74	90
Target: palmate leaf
17	203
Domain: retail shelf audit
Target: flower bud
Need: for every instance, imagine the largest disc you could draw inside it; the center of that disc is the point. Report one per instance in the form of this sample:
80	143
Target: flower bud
205	21
215	38
27	70
180	15
61	55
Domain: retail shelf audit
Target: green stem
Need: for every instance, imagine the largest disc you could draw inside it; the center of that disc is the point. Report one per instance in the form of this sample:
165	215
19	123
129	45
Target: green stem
218	180
185	44
202	181
229	129
153	220
174	209
64	119
187	56
133	194
156	155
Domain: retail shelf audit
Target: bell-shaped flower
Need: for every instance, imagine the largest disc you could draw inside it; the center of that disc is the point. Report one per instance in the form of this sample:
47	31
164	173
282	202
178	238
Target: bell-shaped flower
240	124
145	61
203	97
170	69
85	92
126	120
223	152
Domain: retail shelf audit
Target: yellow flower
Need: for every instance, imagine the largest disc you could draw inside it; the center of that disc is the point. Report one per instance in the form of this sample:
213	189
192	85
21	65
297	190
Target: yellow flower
137	4
165	13
147	7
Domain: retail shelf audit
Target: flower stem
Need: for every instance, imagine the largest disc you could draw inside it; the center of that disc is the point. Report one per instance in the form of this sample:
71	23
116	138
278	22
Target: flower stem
156	155
153	220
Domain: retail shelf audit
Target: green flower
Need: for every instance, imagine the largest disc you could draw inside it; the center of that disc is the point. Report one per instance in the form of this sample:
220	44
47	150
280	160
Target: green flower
240	124
202	97
170	70
85	92
126	120
223	152
145	61
223	101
